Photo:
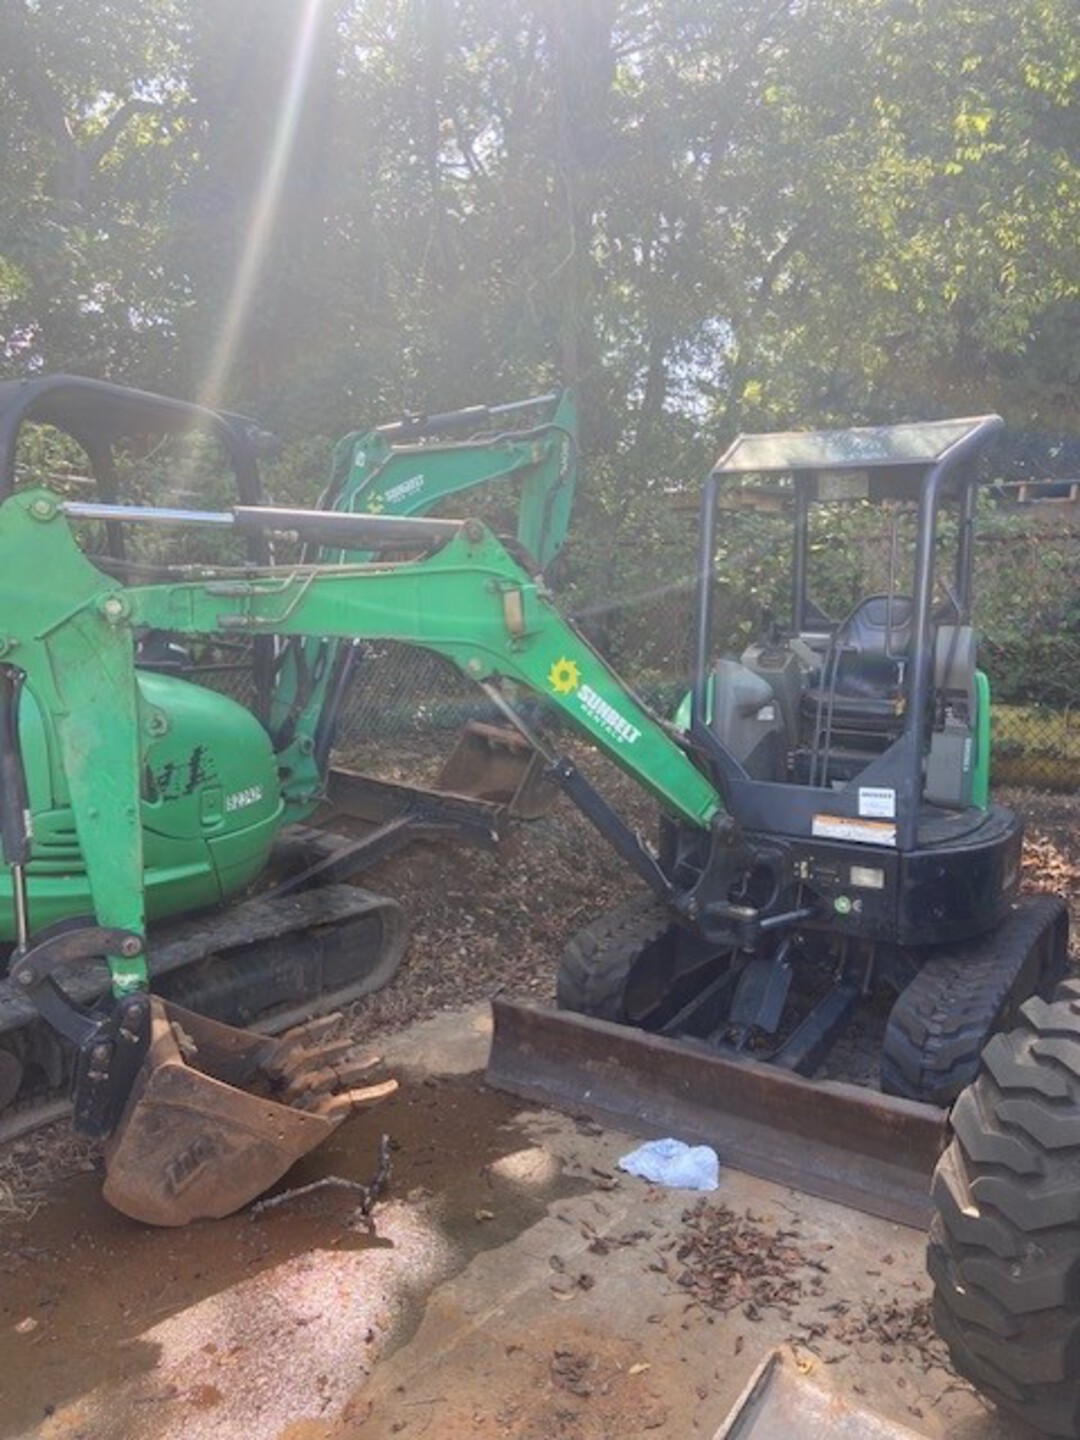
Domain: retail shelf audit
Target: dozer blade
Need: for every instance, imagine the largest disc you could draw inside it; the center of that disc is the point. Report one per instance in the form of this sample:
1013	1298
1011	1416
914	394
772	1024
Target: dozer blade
868	1151
493	762
217	1115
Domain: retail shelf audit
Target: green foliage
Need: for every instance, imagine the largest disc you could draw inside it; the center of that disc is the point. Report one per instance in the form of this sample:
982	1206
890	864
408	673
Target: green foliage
1035	745
47	457
711	214
89	103
1028	609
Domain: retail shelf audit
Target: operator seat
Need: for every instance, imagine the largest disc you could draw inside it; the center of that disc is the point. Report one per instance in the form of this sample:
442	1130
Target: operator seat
857	699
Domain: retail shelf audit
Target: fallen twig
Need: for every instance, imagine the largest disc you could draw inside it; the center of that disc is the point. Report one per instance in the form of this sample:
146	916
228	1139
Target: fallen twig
369	1193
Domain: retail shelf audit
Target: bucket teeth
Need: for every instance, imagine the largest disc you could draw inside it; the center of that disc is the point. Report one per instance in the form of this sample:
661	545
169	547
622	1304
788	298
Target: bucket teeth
277	1055
327	1077
284	1067
342	1103
319	1078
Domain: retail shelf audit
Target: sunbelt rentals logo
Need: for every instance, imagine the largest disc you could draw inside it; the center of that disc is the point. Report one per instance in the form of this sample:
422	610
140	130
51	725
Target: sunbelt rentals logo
564	677
376	504
404	488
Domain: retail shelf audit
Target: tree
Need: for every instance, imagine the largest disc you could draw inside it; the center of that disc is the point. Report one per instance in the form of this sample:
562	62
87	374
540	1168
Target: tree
91	110
710	213
936	202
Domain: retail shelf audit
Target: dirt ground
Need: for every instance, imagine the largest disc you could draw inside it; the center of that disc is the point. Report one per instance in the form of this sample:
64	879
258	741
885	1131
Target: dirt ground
513	1283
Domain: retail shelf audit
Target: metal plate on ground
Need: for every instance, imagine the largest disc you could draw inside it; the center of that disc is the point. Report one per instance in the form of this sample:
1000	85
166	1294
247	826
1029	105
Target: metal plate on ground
872	1152
778	1404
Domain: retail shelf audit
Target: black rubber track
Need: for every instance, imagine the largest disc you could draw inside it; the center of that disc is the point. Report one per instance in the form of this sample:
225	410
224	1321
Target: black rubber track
1004	1252
269	963
597	961
961	996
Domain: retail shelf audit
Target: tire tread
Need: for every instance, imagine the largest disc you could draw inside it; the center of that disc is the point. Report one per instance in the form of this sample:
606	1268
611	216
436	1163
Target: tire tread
1004	1249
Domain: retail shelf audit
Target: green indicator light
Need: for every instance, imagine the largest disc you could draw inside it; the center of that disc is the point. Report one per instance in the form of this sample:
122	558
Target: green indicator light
842	905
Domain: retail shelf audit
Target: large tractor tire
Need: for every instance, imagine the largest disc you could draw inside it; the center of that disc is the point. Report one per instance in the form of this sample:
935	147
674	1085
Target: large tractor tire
1004	1252
965	993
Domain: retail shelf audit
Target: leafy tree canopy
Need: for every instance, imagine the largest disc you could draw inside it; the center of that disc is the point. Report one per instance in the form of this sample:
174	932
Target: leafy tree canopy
712	214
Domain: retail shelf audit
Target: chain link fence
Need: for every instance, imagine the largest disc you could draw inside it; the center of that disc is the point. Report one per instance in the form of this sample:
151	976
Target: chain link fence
1027	587
406	702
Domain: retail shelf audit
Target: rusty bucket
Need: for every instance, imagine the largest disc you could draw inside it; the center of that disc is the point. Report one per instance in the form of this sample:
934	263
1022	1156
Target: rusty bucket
217	1114
493	762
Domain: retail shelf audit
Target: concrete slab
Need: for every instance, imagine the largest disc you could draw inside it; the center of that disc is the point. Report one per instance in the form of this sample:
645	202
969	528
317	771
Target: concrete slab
553	1335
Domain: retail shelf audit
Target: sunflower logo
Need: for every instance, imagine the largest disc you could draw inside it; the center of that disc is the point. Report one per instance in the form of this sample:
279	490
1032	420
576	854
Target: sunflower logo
564	677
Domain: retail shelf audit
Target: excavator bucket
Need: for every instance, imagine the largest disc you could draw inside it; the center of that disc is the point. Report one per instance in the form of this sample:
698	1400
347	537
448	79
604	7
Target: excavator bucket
217	1115
493	762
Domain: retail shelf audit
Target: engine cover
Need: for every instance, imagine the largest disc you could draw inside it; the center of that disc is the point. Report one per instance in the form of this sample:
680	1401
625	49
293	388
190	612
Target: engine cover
211	807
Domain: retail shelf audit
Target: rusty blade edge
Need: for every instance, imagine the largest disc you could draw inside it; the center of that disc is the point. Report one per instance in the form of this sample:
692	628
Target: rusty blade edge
871	1152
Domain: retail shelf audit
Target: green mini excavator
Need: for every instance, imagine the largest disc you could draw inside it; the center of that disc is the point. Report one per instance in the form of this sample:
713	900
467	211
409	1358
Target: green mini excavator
225	787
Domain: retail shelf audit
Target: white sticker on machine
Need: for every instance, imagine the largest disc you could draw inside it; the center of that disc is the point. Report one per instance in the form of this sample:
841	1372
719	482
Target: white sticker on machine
844	827
877	801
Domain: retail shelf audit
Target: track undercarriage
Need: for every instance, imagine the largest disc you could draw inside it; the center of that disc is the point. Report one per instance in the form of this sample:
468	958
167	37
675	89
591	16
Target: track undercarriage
790	1005
309	944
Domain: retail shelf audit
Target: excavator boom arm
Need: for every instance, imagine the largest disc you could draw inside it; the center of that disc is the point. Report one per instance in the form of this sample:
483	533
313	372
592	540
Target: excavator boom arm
475	604
392	471
469	600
